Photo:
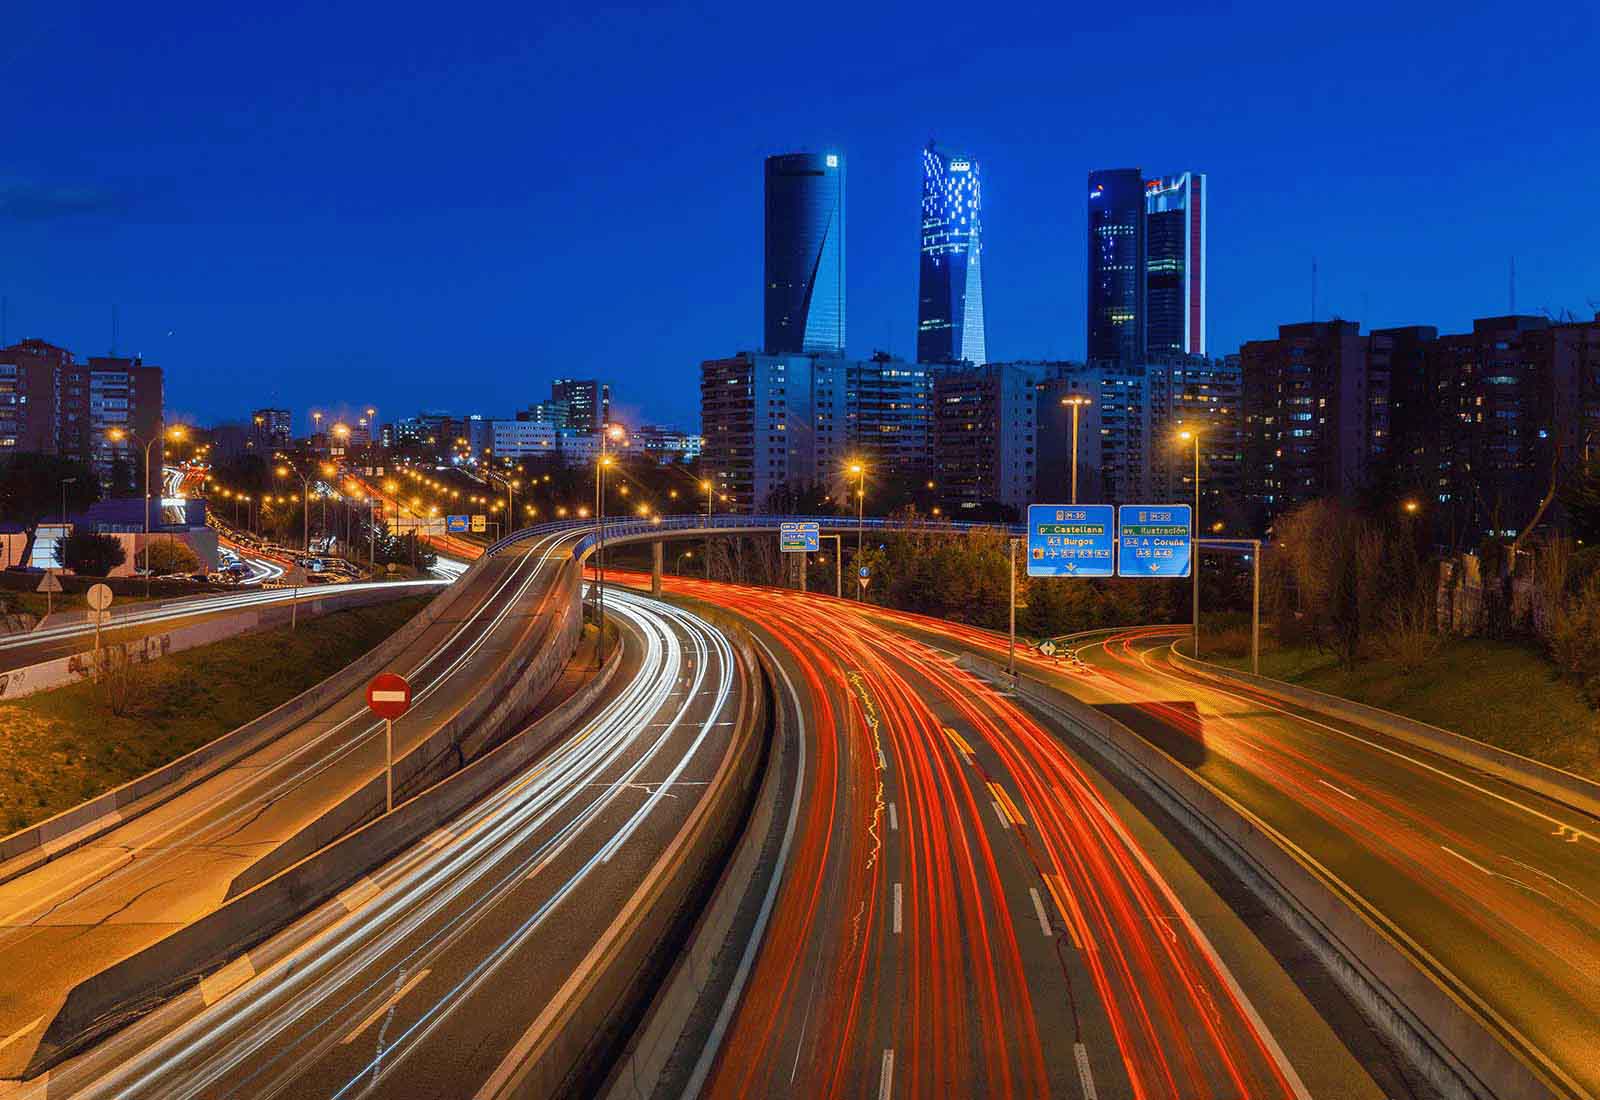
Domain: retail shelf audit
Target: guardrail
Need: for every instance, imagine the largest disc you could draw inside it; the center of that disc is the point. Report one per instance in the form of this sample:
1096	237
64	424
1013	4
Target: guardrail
1553	783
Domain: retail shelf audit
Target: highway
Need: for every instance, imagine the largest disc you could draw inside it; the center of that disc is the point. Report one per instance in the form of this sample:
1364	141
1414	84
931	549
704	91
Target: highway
442	972
129	887
968	910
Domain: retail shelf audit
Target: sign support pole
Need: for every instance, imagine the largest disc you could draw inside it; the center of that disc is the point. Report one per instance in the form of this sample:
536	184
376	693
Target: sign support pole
388	765
1011	653
1255	613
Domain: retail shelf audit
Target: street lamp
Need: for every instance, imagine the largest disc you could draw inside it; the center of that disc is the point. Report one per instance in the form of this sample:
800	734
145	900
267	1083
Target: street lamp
859	469
612	433
175	433
284	470
1075	402
707	484
1192	435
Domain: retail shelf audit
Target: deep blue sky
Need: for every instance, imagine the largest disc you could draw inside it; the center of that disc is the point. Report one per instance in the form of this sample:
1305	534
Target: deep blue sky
315	205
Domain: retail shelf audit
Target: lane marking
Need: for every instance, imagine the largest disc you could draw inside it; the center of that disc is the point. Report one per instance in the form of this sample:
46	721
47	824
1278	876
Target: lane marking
388	1003
897	907
894	819
961	744
1468	862
1038	909
21	1031
1004	800
1058	892
216	986
886	1082
1085	1078
1339	790
1000	812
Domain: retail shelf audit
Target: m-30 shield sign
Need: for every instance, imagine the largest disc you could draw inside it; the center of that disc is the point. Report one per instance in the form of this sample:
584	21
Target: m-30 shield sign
1070	540
1154	540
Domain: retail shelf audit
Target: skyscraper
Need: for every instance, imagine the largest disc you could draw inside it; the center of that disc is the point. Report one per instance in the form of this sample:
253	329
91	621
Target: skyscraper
1175	264
804	284
1116	265
950	290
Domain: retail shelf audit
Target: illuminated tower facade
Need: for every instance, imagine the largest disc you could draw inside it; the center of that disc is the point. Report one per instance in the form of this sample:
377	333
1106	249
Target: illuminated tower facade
950	287
804	284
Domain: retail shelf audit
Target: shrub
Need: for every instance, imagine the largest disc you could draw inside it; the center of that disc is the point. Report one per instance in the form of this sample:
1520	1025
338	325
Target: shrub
90	554
1575	640
167	556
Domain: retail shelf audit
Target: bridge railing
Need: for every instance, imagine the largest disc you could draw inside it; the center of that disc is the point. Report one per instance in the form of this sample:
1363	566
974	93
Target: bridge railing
633	529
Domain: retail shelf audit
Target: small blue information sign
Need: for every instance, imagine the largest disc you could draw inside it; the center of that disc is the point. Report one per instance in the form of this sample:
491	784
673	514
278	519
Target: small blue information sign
458	524
799	536
1071	540
1154	540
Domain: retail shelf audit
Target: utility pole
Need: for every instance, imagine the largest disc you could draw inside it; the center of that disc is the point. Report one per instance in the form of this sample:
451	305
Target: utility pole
1011	650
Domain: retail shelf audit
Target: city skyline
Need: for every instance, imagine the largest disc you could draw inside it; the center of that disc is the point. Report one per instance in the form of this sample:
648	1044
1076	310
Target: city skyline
209	269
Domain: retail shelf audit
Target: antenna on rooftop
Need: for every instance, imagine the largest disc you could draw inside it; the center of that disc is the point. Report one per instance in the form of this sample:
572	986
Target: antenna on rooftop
1513	286
1313	289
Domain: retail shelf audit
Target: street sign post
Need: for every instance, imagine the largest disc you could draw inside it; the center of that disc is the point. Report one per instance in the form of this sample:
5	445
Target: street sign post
49	584
1154	540
388	696
863	575
799	536
99	597
1066	540
457	525
480	524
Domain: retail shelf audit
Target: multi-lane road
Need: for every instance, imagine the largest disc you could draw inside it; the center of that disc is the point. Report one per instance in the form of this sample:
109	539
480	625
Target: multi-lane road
447	971
141	880
968	909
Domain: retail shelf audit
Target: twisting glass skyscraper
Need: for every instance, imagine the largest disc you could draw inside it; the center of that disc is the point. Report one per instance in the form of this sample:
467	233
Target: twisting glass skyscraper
1116	265
950	289
804	285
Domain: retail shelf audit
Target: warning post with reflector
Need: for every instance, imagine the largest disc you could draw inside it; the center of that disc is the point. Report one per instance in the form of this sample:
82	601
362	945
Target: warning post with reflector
388	696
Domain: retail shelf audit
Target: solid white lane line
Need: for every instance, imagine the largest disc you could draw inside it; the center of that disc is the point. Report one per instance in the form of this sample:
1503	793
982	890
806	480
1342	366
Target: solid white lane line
1038	909
1339	790
886	1082
388	1003
897	907
894	819
1085	1078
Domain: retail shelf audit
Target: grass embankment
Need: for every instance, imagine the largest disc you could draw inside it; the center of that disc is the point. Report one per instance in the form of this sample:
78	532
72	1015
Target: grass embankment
1503	693
61	747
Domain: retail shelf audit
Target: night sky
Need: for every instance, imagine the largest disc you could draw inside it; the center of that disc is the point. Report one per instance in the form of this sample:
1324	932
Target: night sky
303	205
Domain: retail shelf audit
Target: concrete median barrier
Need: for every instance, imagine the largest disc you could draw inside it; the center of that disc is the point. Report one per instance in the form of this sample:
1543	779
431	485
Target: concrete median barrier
127	989
37	844
1559	786
1455	1039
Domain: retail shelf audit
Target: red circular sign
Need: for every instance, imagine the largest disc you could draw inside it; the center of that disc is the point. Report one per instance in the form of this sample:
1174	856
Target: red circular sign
389	695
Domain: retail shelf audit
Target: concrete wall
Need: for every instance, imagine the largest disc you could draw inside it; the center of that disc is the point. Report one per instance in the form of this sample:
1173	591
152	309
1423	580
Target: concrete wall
1432	1017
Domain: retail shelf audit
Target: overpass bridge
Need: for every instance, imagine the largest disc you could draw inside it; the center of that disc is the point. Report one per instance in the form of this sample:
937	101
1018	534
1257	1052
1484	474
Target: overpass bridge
631	530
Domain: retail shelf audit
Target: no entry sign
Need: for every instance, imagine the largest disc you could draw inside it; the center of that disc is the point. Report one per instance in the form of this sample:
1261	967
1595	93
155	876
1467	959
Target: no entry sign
389	695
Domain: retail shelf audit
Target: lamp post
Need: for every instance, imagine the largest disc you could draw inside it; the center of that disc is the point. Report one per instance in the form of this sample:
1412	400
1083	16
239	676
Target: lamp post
1192	435
1075	402
117	435
860	470
611	432
708	486
284	470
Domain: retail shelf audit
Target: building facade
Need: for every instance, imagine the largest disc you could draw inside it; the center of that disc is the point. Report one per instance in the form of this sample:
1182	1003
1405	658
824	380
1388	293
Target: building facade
1117	285
107	393
580	405
756	419
804	285
1175	264
985	434
28	379
950	280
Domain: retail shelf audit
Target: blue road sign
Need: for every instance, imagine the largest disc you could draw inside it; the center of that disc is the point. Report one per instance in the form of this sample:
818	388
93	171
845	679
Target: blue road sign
461	524
799	536
1071	540
863	572
1154	540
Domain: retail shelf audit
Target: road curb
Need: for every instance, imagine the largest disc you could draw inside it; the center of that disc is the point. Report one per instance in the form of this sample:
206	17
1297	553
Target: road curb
1564	787
1434	1019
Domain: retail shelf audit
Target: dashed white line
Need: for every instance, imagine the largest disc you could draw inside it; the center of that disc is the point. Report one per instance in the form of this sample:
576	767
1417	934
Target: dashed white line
1085	1078
894	819
1000	812
1340	790
897	907
1038	909
886	1082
